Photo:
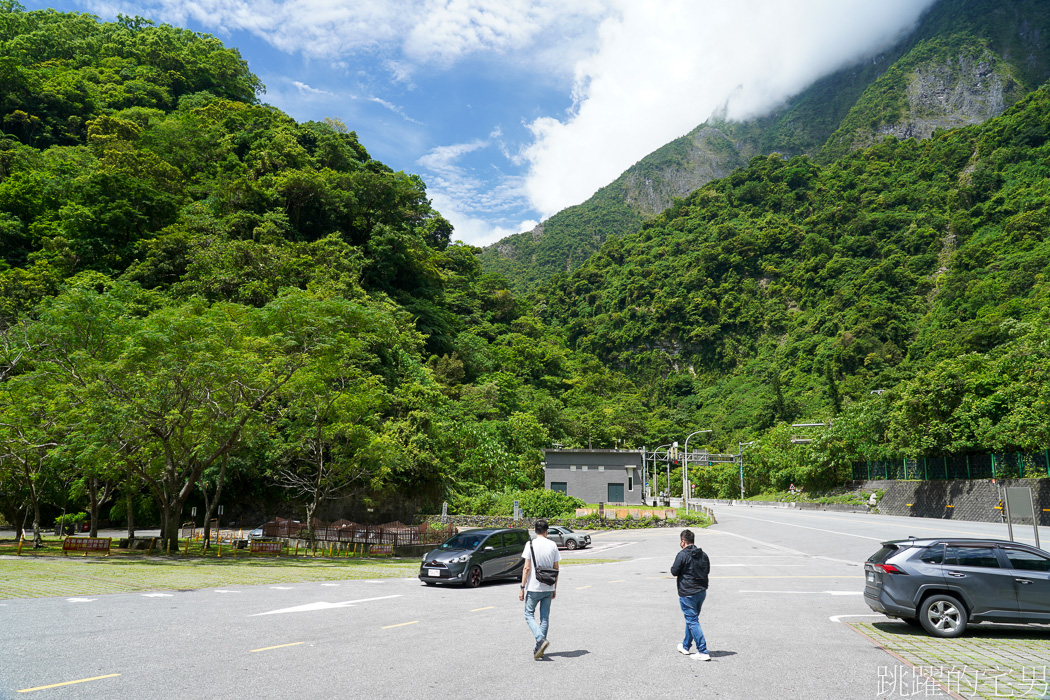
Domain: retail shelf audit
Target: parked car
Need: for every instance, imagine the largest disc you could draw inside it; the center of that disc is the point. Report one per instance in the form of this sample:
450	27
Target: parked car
475	556
565	537
944	584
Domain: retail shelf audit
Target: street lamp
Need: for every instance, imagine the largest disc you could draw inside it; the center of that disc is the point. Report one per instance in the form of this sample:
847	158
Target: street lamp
685	471
656	475
740	448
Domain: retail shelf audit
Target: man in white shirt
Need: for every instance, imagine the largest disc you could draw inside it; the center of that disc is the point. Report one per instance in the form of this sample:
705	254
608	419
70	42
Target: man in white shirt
545	554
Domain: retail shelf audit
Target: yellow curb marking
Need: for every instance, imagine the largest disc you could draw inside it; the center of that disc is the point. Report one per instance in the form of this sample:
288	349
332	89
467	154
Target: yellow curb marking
580	588
58	685
619	580
414	622
279	646
479	609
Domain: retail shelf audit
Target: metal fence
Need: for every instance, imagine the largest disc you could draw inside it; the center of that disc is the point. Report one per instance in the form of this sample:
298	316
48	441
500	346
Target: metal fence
396	533
987	465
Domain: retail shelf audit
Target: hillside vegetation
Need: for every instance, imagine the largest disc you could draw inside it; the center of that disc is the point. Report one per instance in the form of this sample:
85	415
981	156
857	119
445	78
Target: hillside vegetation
966	61
790	292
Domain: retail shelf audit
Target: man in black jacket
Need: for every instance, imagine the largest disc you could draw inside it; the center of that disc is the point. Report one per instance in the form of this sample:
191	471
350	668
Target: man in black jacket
691	567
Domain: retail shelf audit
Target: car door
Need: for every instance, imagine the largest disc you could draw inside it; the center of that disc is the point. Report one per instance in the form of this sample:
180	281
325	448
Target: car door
974	571
515	544
556	536
1031	574
492	556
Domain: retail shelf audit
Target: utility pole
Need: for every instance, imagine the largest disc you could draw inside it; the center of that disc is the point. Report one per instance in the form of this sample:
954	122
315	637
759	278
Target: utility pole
740	448
685	470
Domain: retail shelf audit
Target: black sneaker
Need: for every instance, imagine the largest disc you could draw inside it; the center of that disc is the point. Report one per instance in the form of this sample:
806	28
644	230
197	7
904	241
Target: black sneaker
541	646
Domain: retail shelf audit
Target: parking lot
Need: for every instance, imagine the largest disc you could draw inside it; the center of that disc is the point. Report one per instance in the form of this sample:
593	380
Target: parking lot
784	618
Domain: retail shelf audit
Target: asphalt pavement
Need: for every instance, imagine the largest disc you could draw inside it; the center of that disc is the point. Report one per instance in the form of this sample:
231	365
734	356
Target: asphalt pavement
784	587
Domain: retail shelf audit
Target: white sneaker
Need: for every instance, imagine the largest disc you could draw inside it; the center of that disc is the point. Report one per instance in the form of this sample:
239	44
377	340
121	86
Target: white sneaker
683	650
702	656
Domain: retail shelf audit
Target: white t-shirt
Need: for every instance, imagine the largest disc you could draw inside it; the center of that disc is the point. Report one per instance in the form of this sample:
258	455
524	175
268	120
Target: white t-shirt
546	554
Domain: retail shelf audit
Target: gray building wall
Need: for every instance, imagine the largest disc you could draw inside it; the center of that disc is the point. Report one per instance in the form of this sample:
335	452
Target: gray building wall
587	474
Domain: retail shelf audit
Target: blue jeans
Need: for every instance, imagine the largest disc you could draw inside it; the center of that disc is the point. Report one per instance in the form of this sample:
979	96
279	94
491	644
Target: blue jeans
543	599
691	609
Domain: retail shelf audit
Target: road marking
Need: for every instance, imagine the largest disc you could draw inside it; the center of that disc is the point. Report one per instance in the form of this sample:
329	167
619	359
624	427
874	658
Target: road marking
782	548
323	606
329	584
223	590
58	685
808	592
580	588
619	580
80	600
279	646
838	618
282	588
388	627
157	595
727	577
491	607
779	566
807	527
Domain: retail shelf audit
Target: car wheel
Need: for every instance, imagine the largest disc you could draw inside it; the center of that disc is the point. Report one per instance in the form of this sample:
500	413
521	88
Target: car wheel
943	616
474	577
571	544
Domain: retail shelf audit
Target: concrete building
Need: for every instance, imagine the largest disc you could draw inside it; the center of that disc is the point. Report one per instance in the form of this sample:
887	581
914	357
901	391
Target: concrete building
608	476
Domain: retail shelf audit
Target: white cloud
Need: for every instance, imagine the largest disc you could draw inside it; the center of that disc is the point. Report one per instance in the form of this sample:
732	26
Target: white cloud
305	89
482	209
661	68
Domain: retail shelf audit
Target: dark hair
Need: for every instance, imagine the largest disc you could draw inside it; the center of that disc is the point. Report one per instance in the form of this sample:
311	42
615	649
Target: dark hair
541	526
687	535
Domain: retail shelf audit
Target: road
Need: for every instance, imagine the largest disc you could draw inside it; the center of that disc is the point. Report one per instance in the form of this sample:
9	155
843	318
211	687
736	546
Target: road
783	584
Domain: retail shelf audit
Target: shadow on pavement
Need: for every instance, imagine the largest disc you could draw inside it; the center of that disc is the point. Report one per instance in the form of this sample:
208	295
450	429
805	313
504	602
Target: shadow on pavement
718	654
567	654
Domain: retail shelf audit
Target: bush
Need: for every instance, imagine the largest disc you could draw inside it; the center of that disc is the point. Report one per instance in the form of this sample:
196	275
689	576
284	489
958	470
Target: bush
534	503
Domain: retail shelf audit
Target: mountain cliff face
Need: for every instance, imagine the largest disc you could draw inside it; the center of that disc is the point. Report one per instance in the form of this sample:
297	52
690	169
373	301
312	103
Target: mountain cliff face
967	61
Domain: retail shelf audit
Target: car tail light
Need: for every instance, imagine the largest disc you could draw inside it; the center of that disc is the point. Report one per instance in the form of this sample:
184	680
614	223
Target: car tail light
890	569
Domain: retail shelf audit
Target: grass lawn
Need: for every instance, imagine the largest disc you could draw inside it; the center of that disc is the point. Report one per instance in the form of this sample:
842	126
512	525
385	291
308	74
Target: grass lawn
46	572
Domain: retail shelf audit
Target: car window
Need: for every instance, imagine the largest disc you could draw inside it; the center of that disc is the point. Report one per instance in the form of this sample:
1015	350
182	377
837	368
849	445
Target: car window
494	541
887	551
1026	561
554	531
971	556
518	538
568	529
934	554
462	541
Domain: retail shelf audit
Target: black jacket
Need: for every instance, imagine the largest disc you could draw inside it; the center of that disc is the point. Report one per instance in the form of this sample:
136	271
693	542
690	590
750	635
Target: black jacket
691	567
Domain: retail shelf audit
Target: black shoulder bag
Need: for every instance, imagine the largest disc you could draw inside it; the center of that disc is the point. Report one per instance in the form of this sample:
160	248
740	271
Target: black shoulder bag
544	574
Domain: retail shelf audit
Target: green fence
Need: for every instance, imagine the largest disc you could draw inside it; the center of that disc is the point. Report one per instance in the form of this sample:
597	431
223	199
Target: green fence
987	465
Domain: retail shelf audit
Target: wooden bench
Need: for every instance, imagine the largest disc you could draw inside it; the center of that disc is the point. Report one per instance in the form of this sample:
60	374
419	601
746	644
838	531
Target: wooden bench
98	545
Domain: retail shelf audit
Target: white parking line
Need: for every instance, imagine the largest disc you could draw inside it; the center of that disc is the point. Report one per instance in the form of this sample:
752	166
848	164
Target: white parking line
807	527
80	600
157	595
838	618
223	590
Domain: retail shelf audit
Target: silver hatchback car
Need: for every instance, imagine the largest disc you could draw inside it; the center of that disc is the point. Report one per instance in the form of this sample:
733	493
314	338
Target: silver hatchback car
943	584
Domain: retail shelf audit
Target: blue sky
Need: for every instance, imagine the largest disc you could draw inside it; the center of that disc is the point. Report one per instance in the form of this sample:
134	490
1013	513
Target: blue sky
511	110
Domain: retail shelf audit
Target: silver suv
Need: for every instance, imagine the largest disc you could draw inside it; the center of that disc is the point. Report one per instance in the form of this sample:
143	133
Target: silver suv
943	584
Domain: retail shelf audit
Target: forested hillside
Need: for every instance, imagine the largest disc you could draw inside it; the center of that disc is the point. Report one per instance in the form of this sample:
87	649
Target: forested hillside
966	61
202	299
197	292
900	292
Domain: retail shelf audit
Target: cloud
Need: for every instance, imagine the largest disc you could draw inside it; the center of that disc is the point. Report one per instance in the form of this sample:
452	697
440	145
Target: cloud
399	111
305	89
660	69
482	208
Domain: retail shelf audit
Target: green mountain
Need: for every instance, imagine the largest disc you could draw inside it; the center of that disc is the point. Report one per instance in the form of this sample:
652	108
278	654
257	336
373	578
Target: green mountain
899	292
967	61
